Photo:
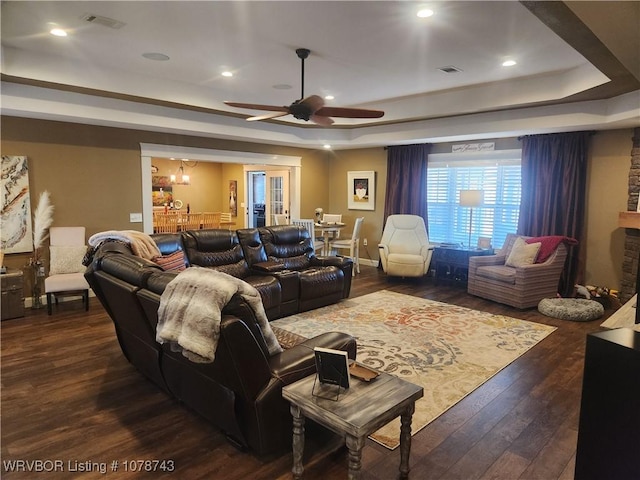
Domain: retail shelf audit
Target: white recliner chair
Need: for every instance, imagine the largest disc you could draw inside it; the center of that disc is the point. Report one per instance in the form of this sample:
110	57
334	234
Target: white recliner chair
404	248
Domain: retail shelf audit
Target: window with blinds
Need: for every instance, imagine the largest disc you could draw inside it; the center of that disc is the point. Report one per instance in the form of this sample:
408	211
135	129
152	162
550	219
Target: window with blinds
498	178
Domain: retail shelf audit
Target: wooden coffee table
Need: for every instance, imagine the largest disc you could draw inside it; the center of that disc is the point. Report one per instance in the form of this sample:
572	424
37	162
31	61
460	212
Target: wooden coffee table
358	412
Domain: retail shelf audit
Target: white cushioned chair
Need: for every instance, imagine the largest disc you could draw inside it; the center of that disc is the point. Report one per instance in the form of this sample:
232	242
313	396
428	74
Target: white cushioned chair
333	218
404	248
352	244
66	272
318	244
280	219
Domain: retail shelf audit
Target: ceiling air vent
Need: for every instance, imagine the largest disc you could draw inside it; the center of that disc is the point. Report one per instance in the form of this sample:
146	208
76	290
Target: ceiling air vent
450	69
104	21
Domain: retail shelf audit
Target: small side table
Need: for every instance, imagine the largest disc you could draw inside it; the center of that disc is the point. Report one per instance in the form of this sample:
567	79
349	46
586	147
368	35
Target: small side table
12	287
452	263
360	411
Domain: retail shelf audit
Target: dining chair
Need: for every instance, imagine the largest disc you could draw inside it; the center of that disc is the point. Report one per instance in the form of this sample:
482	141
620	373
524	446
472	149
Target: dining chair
352	244
309	225
166	223
211	219
190	221
66	271
333	218
226	220
280	219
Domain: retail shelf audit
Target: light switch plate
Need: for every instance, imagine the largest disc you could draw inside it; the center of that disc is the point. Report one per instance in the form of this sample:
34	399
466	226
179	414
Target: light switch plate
135	217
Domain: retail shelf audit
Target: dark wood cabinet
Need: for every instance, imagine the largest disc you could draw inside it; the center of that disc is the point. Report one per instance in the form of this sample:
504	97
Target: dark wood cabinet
451	264
11	285
609	429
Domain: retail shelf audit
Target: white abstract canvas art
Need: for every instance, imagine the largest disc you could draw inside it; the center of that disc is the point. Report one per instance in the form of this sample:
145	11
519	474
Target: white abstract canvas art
17	236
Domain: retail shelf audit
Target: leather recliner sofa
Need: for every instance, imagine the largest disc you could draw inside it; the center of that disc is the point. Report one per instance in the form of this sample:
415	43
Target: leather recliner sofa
240	391
279	261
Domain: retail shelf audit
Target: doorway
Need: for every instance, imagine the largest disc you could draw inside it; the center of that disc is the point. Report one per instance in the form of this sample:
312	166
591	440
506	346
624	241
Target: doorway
268	194
257	162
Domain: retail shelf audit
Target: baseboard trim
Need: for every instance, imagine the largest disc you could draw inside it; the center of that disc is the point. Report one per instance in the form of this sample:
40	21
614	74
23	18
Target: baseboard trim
368	261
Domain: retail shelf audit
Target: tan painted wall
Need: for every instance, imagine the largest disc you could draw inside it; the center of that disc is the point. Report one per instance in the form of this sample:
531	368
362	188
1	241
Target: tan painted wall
607	194
93	174
204	193
315	186
232	172
343	161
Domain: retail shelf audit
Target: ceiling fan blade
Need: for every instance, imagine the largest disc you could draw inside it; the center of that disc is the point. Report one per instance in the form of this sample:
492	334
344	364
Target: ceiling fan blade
314	102
256	106
266	116
349	112
321	120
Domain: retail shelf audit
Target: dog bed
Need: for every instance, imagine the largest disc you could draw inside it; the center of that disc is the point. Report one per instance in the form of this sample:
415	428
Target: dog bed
574	309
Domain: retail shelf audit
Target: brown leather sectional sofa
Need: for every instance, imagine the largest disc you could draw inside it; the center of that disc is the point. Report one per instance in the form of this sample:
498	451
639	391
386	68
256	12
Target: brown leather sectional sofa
240	392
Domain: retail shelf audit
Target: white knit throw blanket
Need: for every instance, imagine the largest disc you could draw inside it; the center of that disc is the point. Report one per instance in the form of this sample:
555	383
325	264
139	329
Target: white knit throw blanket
141	243
190	312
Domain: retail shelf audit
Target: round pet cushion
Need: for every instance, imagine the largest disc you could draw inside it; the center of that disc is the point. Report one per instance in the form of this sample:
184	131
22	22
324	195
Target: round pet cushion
575	309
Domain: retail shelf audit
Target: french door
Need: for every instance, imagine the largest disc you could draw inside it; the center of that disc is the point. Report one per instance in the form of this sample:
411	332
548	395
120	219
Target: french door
276	195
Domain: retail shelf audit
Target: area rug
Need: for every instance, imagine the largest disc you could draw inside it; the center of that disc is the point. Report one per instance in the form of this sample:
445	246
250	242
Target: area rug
448	350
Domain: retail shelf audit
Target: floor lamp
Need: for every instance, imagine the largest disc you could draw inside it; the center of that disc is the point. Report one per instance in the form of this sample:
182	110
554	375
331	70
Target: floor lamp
471	198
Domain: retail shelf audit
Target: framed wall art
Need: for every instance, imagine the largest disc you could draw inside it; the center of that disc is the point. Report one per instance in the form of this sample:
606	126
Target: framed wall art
233	198
17	236
361	190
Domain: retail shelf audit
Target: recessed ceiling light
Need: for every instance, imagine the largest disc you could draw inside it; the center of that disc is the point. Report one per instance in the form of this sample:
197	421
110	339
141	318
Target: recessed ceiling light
58	32
509	63
227	74
425	12
159	57
329	97
326	146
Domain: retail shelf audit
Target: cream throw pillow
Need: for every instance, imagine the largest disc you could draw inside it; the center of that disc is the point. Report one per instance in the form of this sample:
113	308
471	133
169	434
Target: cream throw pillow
67	259
522	253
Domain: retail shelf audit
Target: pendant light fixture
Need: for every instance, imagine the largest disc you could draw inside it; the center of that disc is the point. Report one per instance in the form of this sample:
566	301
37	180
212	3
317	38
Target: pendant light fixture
180	178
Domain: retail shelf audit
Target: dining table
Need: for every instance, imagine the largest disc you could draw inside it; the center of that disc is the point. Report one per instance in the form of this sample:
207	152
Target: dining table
328	231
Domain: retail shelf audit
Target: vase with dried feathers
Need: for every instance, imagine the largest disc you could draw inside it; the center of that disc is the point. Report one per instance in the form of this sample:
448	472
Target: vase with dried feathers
42	220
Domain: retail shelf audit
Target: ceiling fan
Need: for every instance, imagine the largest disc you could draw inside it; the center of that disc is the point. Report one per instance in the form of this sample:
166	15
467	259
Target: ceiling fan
310	108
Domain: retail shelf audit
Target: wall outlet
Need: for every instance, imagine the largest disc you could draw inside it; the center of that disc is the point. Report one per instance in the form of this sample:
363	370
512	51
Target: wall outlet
135	217
364	242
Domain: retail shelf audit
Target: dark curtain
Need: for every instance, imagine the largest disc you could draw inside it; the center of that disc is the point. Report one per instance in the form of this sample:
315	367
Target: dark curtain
406	189
554	179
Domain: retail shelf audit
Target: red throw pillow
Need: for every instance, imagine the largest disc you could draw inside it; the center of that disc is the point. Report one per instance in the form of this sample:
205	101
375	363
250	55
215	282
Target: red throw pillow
548	245
172	262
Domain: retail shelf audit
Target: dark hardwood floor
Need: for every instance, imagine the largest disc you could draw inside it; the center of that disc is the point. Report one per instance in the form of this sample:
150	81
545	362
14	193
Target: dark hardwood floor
69	395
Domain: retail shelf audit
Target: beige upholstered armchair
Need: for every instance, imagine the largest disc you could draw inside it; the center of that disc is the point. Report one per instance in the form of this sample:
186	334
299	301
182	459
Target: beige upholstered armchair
521	286
404	248
66	272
